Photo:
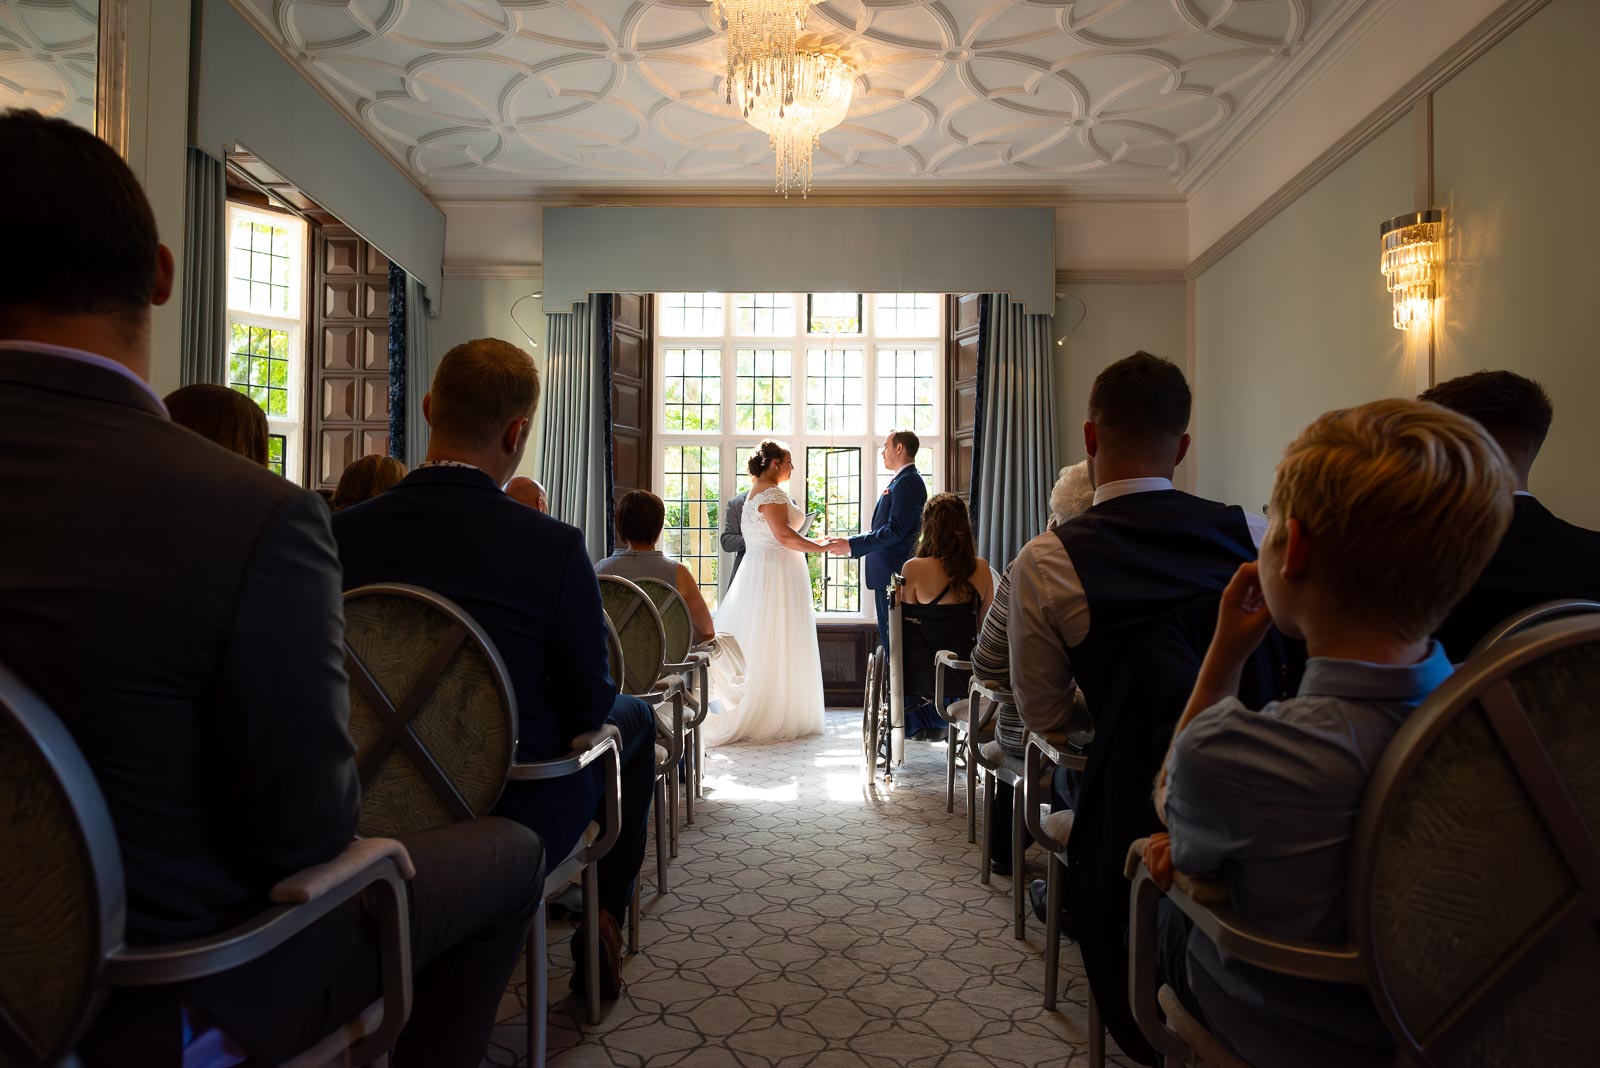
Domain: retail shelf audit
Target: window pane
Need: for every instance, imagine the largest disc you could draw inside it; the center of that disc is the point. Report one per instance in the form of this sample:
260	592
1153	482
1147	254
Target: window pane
693	511
276	444
741	475
833	313
258	366
905	390
761	384
763	314
691	314
260	257
925	461
833	491
907	315
835	391
693	392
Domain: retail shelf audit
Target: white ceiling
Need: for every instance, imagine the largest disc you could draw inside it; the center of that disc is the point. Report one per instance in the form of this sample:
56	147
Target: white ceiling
47	57
516	97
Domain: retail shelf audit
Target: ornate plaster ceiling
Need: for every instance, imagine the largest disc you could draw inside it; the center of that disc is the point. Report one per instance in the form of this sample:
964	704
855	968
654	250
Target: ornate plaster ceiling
517	95
47	57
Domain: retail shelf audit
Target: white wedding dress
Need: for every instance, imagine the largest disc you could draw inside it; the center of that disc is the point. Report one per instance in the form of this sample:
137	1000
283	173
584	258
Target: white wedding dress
768	610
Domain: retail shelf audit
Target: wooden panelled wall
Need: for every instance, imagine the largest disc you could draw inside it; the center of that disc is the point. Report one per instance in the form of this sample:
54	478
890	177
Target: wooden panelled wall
961	376
349	357
632	348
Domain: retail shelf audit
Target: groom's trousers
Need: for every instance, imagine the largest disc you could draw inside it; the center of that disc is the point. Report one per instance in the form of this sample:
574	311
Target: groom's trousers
880	599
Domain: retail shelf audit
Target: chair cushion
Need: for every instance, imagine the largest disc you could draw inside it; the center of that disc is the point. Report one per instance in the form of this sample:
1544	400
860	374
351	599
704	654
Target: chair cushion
1000	761
1058	825
956	714
661	756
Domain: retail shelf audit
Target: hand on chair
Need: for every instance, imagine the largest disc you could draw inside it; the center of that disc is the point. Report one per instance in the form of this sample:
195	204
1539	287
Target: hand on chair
1158	859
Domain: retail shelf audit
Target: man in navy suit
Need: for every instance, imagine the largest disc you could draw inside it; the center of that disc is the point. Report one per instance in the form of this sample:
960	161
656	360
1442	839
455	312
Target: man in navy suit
896	522
1541	557
527	580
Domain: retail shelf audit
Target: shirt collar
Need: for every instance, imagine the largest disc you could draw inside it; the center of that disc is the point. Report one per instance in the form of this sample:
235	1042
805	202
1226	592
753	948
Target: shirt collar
1521	493
1126	486
1357	679
91	358
908	467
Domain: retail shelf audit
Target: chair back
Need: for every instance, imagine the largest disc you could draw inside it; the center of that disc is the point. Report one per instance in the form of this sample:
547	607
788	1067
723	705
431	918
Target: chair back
1475	880
432	712
927	628
1532	616
61	889
674	618
613	652
638	625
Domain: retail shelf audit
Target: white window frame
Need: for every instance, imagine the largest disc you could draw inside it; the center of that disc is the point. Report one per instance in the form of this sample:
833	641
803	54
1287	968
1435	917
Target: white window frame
291	427
731	441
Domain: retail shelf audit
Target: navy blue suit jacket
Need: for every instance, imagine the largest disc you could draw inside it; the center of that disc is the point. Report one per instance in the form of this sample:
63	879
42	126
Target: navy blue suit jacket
896	522
527	580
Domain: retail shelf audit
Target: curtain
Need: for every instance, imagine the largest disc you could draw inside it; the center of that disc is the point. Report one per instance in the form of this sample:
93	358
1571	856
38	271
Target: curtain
418	371
205	271
1014	451
573	423
397	361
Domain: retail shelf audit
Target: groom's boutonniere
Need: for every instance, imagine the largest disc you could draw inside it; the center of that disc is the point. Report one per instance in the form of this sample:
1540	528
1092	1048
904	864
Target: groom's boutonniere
885	493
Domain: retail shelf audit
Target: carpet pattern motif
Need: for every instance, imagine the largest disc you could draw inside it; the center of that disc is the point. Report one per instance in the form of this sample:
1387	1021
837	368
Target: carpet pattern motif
814	921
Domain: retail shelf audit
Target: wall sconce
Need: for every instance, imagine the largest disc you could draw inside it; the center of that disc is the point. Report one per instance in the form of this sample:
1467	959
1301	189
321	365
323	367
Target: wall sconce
1413	258
537	294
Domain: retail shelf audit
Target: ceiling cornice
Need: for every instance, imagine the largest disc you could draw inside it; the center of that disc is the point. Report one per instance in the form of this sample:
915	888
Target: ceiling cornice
591	198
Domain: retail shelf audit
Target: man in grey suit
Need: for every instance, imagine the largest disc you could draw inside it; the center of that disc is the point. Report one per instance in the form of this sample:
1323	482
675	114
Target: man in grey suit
733	533
184	621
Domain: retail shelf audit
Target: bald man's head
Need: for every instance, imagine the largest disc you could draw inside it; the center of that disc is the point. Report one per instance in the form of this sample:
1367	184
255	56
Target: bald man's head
528	491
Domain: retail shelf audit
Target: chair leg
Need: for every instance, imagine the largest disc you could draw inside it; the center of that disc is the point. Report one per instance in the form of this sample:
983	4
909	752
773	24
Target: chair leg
1053	876
591	942
950	735
1019	870
699	764
972	793
988	828
672	811
1097	1035
633	916
688	781
661	836
538	990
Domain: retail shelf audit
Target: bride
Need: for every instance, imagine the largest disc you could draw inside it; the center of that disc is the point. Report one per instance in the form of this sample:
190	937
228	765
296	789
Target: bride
768	610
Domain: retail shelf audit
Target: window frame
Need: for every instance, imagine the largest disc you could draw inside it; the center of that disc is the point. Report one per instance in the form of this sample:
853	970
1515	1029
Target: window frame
291	427
733	441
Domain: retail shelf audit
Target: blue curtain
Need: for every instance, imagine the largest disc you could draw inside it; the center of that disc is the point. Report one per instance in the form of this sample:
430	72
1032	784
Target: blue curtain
574	422
397	361
419	370
1014	451
204	349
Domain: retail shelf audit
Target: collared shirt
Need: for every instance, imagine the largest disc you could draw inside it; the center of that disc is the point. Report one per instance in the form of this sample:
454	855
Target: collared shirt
1269	800
92	358
1050	615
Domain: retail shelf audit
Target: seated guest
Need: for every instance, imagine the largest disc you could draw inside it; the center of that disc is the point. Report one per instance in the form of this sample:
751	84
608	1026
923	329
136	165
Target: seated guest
526	579
945	570
365	479
224	416
991	662
1082	597
1541	558
528	491
640	518
1382	517
196	655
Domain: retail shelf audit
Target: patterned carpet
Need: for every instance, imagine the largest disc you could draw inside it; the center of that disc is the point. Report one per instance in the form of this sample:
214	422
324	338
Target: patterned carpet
814	921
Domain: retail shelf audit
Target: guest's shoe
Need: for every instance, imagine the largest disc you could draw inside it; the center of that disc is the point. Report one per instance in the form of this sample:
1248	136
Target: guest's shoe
610	958
1039	892
1000	867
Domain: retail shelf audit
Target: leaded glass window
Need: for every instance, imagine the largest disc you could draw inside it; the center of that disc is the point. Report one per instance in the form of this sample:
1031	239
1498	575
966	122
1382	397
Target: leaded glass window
762	380
263	266
905	390
907	315
763	314
836	390
690	486
258	366
691	314
833	313
833	491
693	395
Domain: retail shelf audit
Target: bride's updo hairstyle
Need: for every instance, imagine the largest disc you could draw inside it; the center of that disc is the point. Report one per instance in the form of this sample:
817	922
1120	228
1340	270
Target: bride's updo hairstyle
947	536
767	453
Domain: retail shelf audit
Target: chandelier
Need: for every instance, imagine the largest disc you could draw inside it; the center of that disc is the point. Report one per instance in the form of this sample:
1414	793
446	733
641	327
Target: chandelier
823	84
763	38
1413	254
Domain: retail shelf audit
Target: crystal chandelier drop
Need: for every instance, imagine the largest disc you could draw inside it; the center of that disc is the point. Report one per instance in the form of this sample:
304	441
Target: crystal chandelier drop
763	38
823	84
1413	256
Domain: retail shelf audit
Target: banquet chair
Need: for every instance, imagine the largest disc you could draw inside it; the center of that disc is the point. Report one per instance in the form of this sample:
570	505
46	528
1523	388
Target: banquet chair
692	663
643	635
1464	962
994	765
959	749
928	646
434	720
63	907
1533	615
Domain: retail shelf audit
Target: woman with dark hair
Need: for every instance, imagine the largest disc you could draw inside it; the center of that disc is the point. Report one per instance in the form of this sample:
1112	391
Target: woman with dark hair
224	416
769	613
366	478
946	570
640	517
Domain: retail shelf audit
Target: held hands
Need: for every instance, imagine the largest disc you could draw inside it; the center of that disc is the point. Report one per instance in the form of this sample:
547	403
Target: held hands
836	546
1242	618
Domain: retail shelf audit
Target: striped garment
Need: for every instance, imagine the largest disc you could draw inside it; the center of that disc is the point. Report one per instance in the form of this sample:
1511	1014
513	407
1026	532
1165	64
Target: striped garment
991	662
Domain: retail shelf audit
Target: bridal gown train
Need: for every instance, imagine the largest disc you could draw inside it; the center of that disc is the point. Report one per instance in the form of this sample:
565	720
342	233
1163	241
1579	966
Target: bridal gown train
768	609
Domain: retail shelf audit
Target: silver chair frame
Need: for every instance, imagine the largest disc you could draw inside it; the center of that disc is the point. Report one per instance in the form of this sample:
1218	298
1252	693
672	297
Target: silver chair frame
992	773
695	670
1532	616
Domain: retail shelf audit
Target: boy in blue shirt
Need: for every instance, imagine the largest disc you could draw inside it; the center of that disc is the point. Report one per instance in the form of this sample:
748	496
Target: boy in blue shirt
1382	517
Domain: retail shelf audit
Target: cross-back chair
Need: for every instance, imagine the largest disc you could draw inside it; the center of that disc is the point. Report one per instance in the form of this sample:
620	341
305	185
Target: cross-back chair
63	907
692	663
434	720
1532	616
1474	885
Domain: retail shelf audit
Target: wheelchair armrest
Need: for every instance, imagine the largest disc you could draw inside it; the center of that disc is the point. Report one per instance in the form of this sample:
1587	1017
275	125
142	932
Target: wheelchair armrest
300	901
944	660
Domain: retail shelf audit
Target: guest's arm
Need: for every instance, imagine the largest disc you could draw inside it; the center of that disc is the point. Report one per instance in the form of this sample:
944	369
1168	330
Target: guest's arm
1047	611
699	614
991	657
777	517
733	528
576	654
905	515
280	738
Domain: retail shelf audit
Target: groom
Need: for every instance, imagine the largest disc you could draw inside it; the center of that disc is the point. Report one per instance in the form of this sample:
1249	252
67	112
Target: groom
896	521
